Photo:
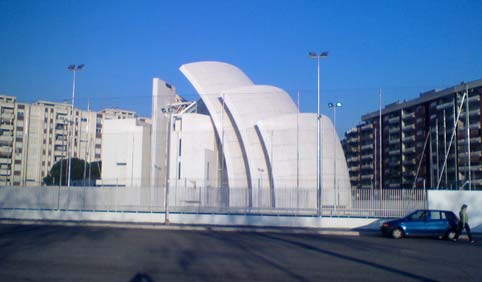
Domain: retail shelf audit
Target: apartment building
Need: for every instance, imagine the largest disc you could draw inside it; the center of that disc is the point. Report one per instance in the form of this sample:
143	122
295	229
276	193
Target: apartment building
431	141
33	137
13	140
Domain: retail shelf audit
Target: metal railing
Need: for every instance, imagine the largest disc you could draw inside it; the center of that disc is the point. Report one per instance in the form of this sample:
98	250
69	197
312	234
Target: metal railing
214	200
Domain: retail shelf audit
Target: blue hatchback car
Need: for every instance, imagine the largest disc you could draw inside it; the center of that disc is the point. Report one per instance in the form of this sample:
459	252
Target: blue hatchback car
427	223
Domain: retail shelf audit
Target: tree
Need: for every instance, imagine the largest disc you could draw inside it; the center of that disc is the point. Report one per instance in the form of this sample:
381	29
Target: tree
77	172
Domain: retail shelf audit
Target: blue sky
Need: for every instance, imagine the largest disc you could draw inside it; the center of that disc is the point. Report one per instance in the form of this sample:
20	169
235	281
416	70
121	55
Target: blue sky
404	47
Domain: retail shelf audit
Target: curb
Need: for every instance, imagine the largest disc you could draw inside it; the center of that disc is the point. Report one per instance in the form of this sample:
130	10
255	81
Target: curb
181	227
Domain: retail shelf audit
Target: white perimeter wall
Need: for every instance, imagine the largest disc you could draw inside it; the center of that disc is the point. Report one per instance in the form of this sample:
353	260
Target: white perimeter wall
453	200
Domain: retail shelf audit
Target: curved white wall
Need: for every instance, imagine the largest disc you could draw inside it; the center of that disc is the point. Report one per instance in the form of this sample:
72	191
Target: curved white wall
211	79
247	105
290	141
267	144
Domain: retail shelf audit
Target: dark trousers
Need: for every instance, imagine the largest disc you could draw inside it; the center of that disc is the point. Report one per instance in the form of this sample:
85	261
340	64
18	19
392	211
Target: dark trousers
467	229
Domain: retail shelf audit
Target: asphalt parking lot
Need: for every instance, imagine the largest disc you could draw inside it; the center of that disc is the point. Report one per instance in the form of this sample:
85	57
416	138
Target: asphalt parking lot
62	253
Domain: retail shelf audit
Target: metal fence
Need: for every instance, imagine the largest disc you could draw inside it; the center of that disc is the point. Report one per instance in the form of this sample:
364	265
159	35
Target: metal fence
302	202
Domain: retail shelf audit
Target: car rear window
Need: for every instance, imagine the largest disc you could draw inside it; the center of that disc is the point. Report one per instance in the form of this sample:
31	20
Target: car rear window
435	215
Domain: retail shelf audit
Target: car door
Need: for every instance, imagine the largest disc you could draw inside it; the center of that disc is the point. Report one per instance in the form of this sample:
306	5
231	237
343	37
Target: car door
436	223
415	223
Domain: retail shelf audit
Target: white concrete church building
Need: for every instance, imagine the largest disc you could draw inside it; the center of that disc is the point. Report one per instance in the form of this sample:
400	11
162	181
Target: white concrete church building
246	144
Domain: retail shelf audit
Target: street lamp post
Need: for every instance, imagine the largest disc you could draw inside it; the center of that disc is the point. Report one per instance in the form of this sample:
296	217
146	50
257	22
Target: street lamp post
74	69
335	189
316	56
168	110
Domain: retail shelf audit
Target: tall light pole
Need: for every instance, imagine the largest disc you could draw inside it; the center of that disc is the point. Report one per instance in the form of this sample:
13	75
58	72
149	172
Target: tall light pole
74	69
335	189
316	56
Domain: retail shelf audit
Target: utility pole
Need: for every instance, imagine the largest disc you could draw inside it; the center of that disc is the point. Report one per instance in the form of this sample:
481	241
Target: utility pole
74	69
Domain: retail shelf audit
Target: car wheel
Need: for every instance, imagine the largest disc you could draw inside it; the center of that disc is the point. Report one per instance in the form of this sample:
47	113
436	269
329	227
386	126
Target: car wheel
397	233
451	234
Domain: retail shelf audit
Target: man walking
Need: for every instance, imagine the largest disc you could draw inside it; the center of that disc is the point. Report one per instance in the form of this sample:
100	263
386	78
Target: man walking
464	223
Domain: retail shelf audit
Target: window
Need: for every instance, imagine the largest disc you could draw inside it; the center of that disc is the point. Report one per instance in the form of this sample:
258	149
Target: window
179	171
180	147
435	215
418	215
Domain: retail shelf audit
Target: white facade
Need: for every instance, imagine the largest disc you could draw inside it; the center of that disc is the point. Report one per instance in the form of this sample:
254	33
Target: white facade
126	156
265	142
163	95
193	156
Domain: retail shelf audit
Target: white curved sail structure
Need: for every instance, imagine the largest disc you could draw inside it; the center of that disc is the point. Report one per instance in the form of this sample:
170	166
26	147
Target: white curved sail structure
267	144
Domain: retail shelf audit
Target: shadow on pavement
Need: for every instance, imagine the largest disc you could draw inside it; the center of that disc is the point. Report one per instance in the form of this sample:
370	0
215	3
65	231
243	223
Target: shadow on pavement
141	277
254	254
20	238
345	257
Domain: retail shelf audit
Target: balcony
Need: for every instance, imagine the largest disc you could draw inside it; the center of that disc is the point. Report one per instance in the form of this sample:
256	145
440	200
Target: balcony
407	139
409	127
354	168
409	162
394	129
4	160
394	120
352	140
445	105
61	141
367	126
474	112
367	166
367	146
475	140
409	150
476	168
367	176
352	159
7	116
394	141
6	140
5	149
4	126
408	116
4	172
394	163
367	157
475	125
395	151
